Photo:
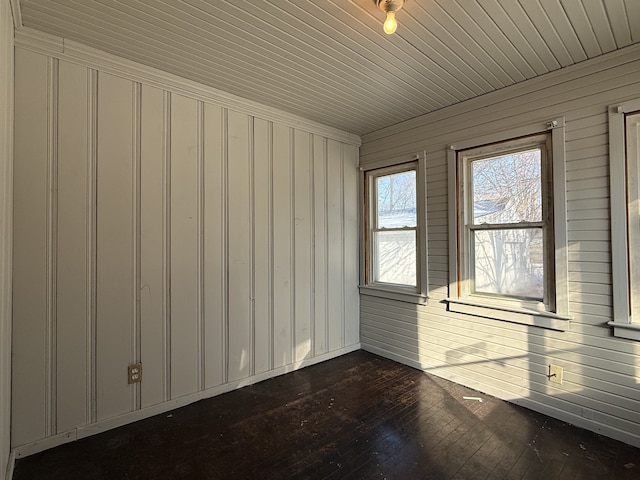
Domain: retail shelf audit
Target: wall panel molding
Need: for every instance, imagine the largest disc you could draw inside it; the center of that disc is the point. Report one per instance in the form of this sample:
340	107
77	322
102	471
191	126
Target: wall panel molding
91	248
51	245
201	267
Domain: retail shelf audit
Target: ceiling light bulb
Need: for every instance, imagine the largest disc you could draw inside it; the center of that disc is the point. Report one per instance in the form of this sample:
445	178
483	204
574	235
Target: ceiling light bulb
390	23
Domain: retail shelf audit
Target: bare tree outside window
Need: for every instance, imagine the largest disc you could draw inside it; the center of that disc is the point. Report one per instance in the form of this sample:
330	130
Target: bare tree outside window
506	224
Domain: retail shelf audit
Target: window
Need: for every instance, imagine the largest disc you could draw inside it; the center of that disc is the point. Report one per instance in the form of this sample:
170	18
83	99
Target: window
624	153
394	233
505	256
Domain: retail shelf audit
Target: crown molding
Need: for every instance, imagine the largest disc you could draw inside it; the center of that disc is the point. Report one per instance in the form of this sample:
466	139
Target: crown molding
78	53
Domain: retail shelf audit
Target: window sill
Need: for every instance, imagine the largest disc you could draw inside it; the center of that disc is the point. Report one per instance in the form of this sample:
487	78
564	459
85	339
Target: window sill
395	294
523	316
628	331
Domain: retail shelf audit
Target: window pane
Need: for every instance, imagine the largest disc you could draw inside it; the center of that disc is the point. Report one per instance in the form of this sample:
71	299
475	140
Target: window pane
508	188
396	200
509	262
395	257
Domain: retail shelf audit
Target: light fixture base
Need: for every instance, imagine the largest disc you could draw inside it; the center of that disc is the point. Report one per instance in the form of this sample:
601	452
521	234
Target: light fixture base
389	5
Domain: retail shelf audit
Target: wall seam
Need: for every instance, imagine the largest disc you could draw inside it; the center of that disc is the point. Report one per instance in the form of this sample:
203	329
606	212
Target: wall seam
252	259
225	244
51	249
136	343
200	228
92	222
271	245
166	243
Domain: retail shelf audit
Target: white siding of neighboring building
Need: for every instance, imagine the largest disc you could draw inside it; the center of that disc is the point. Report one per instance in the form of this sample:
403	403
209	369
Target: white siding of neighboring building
217	247
601	373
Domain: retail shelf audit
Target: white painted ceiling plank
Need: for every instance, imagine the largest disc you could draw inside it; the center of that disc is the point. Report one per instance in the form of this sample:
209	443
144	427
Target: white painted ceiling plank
465	23
633	13
429	70
365	42
480	16
402	79
558	17
596	12
513	33
531	33
619	22
287	68
328	60
266	36
544	25
582	26
462	45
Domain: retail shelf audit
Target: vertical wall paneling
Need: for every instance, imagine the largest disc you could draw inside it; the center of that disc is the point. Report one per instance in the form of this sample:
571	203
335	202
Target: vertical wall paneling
184	246
30	246
252	247
52	239
115	234
240	354
350	247
72	289
320	281
214	235
136	326
262	215
166	245
282	247
303	286
335	241
200	271
210	245
152	260
92	247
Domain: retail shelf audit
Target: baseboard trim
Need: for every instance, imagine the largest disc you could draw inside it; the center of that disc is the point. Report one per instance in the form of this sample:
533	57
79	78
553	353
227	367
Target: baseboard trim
111	423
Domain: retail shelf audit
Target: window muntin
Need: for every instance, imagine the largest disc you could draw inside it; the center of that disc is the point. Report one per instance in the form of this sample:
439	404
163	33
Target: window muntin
506	232
393	226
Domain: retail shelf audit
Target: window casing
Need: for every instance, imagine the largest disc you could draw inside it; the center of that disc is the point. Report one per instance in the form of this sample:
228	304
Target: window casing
624	157
394	254
508	230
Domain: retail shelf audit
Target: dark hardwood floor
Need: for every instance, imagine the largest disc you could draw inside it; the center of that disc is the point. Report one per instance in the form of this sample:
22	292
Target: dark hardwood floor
359	416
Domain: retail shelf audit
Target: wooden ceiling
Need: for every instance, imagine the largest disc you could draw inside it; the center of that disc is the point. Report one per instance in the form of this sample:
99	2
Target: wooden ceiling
329	60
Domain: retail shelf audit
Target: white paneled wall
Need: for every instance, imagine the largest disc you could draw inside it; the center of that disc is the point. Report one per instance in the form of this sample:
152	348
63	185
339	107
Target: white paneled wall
213	246
6	200
601	373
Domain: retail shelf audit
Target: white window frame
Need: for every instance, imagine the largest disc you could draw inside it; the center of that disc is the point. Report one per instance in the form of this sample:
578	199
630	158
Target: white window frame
624	125
553	313
410	294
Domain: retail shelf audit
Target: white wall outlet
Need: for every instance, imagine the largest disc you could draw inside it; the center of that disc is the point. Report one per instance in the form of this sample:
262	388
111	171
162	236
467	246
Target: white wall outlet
556	374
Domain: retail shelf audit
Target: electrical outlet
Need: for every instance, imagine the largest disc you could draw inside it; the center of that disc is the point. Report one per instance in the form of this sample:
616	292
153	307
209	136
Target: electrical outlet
556	374
135	372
